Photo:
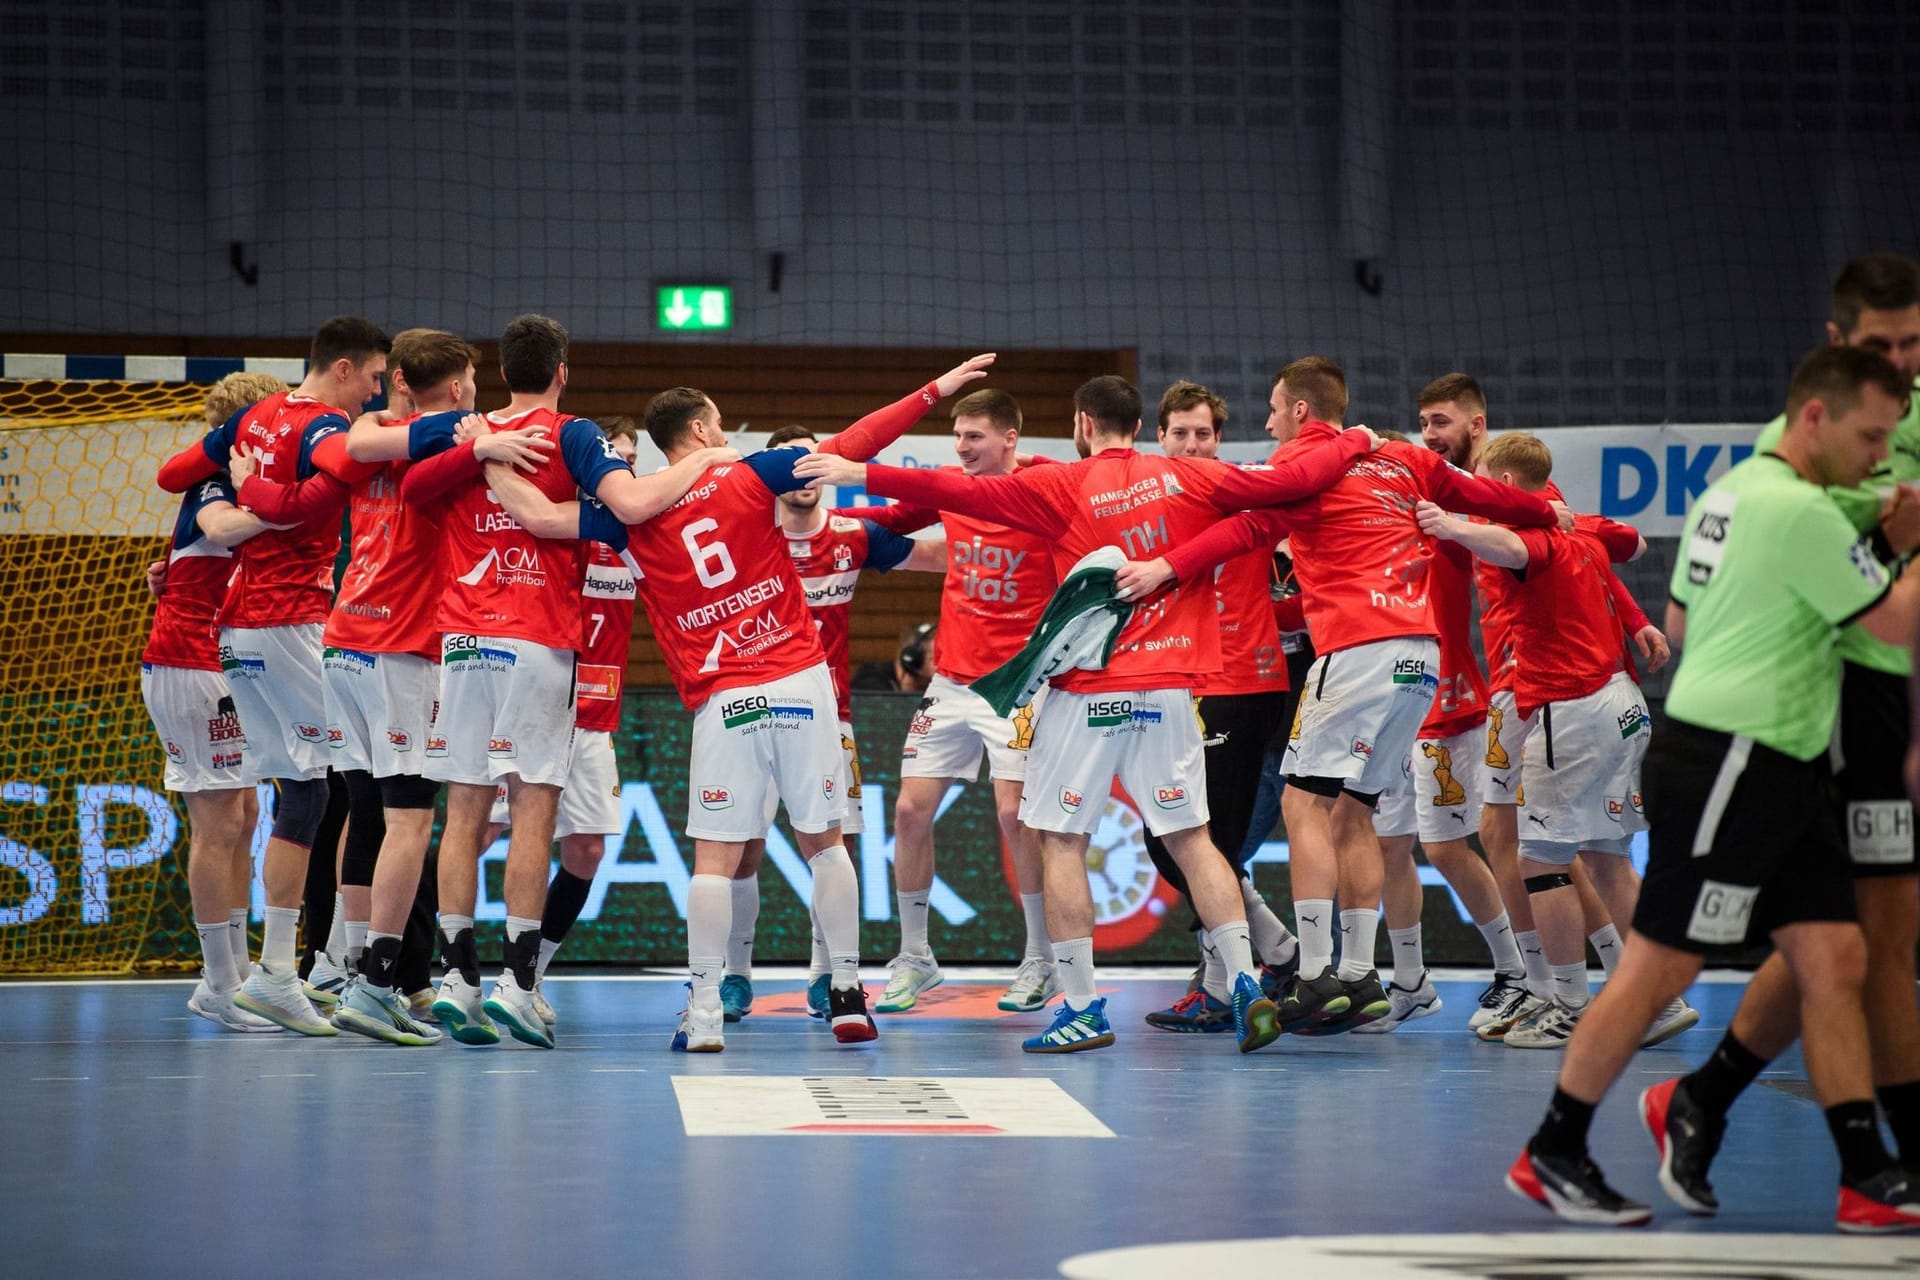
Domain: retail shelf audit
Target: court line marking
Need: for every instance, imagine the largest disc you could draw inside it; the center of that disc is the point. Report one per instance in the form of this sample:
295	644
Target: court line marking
274	1075
614	1071
511	1071
173	1077
396	1073
44	1079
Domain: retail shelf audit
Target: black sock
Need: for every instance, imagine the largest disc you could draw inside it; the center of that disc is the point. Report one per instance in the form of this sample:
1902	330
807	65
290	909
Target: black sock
566	899
522	957
459	954
1722	1078
1563	1130
1901	1102
1856	1135
382	959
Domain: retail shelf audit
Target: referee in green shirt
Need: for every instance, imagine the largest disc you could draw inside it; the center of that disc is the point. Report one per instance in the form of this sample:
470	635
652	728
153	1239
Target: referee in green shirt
1745	838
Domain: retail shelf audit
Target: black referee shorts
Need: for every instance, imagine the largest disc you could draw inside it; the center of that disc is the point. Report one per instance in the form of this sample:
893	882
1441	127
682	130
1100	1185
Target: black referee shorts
1743	840
1874	729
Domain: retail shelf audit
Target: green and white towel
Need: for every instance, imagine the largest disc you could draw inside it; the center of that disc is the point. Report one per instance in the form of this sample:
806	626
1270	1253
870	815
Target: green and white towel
1077	631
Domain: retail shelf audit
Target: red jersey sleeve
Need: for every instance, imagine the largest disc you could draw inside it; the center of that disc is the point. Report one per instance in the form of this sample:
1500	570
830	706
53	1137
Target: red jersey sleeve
895	517
330	457
318	499
1238	534
1501	503
1304	473
1632	616
1029	499
187	468
883	426
429	481
1620	540
1539	550
1290	613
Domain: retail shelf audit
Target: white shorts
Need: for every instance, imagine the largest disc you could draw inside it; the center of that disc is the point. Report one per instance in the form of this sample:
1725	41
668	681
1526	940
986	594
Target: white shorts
193	714
853	824
1506	747
781	736
273	674
506	707
1446	785
954	725
379	709
1581	778
1149	739
1394	816
590	805
1360	710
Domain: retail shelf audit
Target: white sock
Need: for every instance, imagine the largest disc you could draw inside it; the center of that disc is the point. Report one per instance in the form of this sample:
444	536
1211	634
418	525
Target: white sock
1273	942
819	965
451	926
913	923
1314	918
237	943
337	935
1499	935
1533	957
276	947
1235	949
215	954
709	909
746	917
1570	983
1408	961
1213	974
1073	963
1606	942
356	941
548	949
1358	930
836	904
517	926
1034	907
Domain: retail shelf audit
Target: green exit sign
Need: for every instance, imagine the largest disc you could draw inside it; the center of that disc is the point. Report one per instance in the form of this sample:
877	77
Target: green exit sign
688	308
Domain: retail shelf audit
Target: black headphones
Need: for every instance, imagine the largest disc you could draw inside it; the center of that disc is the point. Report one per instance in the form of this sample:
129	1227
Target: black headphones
913	654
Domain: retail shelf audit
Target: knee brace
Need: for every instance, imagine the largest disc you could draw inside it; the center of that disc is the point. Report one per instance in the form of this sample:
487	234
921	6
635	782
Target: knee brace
406	791
300	806
1552	880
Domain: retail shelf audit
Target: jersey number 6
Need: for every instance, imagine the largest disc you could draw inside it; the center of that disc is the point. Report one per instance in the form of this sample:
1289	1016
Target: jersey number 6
712	563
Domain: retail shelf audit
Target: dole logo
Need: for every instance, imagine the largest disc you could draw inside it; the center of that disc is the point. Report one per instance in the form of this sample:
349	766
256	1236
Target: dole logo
499	746
1615	807
309	732
336	737
716	798
436	745
1070	800
1169	797
174	752
399	739
1361	749
826	787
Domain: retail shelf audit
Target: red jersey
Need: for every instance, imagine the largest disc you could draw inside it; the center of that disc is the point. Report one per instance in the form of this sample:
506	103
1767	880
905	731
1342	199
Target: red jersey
1460	703
829	561
998	582
606	621
1563	614
1145	505
503	581
389	598
186	628
286	575
1250	659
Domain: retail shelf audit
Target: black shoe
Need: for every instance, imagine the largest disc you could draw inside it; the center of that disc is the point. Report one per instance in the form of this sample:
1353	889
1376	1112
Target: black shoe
1367	1001
1311	1001
1575	1189
1274	978
847	1015
1687	1137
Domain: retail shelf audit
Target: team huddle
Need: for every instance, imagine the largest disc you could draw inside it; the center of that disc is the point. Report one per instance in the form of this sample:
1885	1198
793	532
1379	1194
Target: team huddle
1164	621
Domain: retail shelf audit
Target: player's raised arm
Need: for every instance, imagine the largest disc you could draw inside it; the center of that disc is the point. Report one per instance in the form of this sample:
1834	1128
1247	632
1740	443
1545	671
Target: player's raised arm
882	427
1305	472
636	499
1029	500
202	460
894	517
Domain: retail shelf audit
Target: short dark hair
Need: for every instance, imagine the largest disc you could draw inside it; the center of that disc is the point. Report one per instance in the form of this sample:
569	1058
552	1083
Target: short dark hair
1459	388
619	426
1877	282
991	403
789	433
428	357
1319	382
347	338
669	414
1191	395
1112	402
1835	376
531	352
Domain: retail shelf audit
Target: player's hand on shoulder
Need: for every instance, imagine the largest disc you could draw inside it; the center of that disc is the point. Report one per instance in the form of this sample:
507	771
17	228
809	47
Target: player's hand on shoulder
1562	514
242	465
525	448
712	457
830	468
1900	519
1138	579
470	427
1374	438
1434	520
963	373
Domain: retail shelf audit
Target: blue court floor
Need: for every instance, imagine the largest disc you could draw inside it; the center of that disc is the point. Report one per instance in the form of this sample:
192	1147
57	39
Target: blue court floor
137	1140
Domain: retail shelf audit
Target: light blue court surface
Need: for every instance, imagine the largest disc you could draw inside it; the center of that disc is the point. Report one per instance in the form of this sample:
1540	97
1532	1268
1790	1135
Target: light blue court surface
138	1140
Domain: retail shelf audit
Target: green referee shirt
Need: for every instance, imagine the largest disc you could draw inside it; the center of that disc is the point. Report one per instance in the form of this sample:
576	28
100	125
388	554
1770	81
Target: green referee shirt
1862	506
1768	571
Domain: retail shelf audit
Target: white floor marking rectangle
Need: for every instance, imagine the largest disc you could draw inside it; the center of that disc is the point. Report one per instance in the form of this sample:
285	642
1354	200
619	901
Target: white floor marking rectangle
889	1106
